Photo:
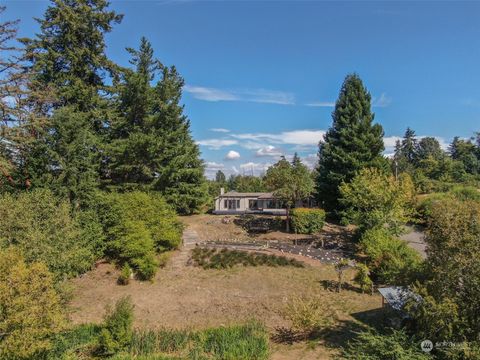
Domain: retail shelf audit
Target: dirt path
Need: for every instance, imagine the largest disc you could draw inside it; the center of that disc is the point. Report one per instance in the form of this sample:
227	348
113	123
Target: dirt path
181	257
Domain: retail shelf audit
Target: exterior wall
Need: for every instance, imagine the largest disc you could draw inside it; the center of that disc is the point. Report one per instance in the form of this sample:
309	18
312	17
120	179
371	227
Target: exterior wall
244	206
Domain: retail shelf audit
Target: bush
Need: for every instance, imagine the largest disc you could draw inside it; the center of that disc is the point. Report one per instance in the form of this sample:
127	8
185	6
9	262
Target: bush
307	221
124	278
375	346
309	315
465	193
43	228
117	332
362	278
138	225
30	308
374	199
389	258
462	193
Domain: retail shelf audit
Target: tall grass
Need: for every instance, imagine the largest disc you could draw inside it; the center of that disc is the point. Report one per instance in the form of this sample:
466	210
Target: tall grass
238	342
224	259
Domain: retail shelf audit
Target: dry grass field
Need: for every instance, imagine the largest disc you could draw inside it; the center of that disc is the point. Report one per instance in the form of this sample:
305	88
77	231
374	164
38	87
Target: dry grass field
185	296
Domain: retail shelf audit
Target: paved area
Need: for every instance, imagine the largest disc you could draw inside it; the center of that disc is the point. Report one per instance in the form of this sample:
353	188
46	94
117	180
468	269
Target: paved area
415	238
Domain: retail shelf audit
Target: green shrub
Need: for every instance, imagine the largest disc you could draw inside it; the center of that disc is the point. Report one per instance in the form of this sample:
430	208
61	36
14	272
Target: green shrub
30	308
138	225
389	258
117	332
159	219
307	221
375	346
464	193
309	315
77	341
362	278
224	259
124	278
41	225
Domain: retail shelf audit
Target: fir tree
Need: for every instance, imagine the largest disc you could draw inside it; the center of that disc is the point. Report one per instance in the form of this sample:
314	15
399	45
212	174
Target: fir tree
178	167
220	177
352	143
130	159
68	57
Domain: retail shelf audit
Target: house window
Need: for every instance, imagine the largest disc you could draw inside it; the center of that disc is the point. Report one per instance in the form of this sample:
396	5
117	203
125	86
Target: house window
238	204
252	204
225	204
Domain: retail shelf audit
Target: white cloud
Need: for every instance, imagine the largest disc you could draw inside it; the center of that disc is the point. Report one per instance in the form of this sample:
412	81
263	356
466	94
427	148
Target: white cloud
211	169
220	130
212	165
269	150
321	104
209	94
216	144
295	137
251	95
382	101
253	168
235	170
232	155
390	141
311	160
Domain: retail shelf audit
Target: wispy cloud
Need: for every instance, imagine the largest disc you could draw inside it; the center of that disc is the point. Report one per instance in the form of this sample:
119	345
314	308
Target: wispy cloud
269	150
382	101
216	144
221	130
211	169
295	137
232	155
250	95
253	168
321	104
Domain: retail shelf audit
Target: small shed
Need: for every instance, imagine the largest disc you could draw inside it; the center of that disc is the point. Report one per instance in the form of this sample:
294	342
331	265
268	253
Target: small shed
396	296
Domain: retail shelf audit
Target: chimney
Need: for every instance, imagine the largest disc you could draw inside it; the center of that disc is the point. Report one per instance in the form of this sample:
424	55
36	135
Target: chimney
222	191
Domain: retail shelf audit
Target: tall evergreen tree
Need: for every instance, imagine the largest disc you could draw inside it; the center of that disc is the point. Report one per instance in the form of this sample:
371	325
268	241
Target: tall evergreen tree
179	169
68	57
352	143
130	157
406	152
220	177
151	144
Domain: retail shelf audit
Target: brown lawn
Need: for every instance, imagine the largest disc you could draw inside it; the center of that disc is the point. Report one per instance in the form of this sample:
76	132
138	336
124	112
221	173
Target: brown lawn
182	296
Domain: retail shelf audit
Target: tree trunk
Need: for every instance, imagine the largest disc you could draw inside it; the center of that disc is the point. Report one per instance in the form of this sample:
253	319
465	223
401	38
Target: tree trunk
288	219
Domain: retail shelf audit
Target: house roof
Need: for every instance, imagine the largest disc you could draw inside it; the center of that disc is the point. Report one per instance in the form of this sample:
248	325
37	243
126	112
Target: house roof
259	195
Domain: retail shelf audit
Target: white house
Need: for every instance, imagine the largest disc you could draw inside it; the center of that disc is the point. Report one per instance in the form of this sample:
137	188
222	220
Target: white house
234	202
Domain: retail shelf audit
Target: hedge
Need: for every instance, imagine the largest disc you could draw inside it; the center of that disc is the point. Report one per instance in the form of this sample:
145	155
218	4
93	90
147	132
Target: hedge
307	221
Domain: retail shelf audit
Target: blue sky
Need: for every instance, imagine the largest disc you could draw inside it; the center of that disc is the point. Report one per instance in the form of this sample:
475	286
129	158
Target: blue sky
262	76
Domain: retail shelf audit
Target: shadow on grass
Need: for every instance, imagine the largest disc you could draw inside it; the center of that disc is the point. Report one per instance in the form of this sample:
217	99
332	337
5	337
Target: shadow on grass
332	285
340	334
